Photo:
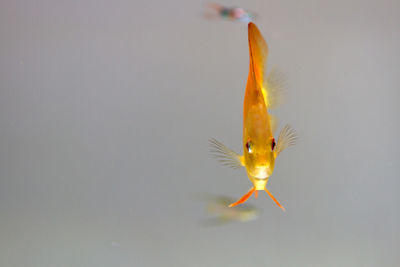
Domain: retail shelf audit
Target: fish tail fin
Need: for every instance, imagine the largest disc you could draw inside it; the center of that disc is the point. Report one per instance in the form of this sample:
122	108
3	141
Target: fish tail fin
274	199
243	198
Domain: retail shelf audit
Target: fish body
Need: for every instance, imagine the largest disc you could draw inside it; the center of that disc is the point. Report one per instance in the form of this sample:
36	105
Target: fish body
258	140
259	147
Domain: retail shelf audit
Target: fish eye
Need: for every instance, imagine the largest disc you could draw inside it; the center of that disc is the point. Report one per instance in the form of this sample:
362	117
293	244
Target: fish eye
273	144
249	146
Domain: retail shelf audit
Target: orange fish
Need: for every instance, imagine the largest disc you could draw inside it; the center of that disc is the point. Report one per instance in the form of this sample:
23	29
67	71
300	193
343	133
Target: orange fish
259	146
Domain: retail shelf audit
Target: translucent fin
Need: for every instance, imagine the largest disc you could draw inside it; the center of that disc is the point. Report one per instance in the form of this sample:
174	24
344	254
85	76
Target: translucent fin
225	155
275	87
273	122
287	137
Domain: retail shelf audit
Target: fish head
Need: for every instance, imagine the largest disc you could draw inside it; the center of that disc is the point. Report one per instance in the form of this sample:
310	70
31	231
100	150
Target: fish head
259	157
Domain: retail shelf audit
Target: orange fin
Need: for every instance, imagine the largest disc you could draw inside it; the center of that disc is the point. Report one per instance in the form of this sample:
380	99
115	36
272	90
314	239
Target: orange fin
258	53
274	199
255	93
243	198
256	194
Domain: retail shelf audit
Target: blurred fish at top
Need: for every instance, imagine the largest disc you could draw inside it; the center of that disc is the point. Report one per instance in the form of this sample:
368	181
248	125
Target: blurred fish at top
216	11
218	206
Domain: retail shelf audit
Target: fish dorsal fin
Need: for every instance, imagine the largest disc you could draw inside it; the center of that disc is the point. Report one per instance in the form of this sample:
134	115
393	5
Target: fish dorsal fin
225	155
287	137
275	88
258	53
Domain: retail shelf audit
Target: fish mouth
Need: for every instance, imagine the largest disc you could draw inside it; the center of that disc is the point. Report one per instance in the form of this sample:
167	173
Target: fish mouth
261	172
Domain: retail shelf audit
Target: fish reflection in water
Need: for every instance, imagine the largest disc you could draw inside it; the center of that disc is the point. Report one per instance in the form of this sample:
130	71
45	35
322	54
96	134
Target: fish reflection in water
218	207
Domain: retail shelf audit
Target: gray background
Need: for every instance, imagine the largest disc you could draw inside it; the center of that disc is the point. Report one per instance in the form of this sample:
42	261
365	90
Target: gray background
105	112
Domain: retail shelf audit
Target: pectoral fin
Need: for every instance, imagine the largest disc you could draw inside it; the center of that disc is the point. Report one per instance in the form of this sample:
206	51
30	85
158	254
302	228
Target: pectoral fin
225	155
287	137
